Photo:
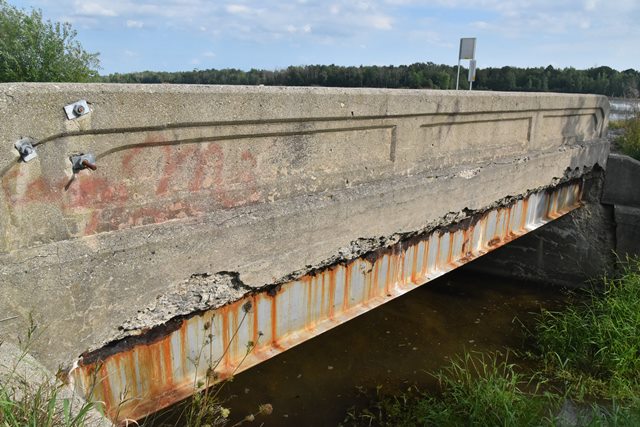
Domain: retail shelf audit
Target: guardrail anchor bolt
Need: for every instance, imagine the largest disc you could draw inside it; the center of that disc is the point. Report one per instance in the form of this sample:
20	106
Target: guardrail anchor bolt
26	149
78	109
83	161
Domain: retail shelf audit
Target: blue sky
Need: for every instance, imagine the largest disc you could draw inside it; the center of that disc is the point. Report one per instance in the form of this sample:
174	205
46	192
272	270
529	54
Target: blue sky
171	35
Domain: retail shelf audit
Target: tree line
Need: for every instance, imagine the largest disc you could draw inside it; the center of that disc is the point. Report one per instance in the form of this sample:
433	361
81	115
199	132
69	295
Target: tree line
32	49
600	80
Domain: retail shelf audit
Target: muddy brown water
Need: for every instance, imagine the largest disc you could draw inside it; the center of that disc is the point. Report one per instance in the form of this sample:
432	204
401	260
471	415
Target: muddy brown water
394	346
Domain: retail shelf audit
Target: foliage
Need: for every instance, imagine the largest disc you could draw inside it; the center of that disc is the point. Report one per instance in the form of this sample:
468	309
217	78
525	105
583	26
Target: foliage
481	390
594	346
477	390
31	398
39	406
629	141
34	50
601	80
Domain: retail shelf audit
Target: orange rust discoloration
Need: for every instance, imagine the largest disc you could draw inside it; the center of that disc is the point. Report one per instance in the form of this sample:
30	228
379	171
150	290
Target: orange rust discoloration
332	292
226	337
274	321
437	257
168	361
494	241
255	327
107	392
237	315
414	265
347	284
164	380
525	208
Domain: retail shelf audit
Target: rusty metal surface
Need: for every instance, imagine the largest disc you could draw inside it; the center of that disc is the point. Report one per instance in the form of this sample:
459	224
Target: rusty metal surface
145	373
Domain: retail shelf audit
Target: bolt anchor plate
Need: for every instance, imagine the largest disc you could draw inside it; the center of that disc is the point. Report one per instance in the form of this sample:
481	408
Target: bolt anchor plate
77	109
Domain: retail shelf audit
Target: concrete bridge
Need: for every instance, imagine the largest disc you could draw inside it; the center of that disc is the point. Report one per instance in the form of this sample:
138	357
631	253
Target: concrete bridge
223	225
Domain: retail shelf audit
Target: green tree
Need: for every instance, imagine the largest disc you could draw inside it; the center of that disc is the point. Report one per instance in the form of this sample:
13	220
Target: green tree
34	50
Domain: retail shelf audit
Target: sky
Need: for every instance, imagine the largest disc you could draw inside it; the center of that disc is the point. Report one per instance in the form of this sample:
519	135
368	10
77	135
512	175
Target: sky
179	35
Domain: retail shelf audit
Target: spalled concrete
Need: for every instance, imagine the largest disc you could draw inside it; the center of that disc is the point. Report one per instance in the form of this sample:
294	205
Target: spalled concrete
572	251
197	184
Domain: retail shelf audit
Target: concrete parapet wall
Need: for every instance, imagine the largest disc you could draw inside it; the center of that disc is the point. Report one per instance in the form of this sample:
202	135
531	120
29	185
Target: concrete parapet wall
259	181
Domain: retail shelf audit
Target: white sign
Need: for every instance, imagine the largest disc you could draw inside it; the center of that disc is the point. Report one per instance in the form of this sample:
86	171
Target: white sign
467	48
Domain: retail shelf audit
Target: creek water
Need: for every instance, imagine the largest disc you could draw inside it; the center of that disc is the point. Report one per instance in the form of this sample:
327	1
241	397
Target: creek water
394	346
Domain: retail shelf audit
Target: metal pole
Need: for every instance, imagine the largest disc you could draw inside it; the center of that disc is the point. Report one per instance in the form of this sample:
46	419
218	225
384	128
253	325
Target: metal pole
470	85
458	78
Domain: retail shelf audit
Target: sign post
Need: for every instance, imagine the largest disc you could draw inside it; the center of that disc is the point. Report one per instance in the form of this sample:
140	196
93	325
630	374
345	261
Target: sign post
472	73
467	51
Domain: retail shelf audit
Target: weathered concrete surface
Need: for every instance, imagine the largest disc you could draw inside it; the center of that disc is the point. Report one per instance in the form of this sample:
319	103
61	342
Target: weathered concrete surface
257	182
571	251
622	193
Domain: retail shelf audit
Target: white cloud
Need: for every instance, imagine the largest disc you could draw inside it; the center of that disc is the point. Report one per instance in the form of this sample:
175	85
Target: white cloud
237	9
292	29
345	24
134	24
92	8
209	54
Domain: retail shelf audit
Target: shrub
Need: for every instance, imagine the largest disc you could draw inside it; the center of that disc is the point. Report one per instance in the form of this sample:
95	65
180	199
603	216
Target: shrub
34	50
629	141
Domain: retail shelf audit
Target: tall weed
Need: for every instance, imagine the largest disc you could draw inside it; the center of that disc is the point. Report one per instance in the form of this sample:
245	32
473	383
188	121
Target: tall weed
595	346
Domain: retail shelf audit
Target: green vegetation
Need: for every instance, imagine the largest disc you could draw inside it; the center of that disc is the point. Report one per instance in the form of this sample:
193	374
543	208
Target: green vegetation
595	347
477	390
629	141
29	397
486	390
34	50
601	80
39	406
588	363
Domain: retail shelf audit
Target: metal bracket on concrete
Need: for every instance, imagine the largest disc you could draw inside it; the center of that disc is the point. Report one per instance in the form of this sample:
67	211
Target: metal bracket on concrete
77	109
83	161
26	149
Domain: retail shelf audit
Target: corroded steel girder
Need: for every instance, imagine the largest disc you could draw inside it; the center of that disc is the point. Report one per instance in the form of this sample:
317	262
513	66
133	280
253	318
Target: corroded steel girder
144	373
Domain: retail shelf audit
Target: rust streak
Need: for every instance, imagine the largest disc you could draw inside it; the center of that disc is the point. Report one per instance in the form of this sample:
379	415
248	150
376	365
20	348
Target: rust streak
154	371
347	287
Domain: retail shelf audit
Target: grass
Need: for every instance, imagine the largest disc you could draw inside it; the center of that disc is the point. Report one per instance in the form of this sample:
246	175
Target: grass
39	405
29	397
476	390
595	347
587	374
629	141
479	389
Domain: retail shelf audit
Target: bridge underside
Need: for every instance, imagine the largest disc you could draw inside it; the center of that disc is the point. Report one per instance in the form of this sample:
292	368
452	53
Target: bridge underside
225	225
140	374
